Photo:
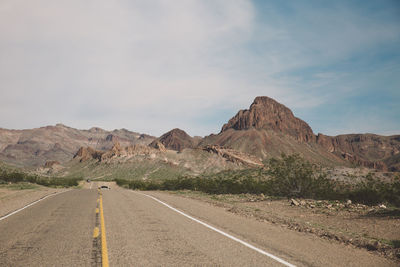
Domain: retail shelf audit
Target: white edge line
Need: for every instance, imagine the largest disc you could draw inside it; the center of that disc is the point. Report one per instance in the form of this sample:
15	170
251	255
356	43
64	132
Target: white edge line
33	203
223	233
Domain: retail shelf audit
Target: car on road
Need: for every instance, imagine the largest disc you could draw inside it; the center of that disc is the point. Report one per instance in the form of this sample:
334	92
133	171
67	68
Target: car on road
104	187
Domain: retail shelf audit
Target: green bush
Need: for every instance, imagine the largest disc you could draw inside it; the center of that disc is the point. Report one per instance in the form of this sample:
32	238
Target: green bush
373	192
13	177
292	176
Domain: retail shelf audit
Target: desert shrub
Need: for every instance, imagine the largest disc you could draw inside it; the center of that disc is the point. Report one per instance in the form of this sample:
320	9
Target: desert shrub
288	176
292	176
12	177
17	177
227	182
121	182
373	191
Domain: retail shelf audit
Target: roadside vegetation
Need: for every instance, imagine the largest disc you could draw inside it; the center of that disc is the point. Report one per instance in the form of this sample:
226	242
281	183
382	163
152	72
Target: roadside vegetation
18	177
154	170
289	176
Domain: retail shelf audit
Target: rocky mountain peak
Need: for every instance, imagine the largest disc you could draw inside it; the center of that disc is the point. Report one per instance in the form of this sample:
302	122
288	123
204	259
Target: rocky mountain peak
176	139
266	113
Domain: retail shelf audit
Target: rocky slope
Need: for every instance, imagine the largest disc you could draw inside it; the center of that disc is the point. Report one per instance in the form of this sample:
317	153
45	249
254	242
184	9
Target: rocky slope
235	156
175	139
145	162
117	151
368	150
34	147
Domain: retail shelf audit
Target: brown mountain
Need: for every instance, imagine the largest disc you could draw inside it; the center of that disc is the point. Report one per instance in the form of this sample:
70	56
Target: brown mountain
369	150
33	147
268	128
175	139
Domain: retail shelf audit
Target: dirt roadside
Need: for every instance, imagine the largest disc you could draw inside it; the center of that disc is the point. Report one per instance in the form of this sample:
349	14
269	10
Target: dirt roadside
374	228
13	197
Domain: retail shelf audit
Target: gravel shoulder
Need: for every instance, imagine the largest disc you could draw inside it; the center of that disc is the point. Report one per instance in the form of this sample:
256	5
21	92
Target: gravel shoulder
372	228
13	197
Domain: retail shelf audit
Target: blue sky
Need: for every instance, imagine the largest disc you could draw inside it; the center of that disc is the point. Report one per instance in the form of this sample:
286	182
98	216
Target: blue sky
150	66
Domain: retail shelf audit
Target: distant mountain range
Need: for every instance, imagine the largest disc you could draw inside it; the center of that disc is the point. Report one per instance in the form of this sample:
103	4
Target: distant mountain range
266	129
34	147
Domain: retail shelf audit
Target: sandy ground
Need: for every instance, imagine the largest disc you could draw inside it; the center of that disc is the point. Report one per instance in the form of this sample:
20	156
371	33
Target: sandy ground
13	199
373	228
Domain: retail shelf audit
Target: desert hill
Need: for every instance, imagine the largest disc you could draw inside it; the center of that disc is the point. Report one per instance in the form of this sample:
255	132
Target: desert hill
145	162
368	150
268	128
117	151
175	139
33	147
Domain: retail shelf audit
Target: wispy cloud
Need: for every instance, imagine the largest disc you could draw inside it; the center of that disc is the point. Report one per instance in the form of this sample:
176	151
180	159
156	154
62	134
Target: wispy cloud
150	66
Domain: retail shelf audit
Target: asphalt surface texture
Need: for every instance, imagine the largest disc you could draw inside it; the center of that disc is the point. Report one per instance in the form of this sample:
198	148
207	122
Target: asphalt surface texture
141	231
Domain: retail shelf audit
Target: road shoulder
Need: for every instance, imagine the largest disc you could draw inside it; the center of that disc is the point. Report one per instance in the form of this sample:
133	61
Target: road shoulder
12	199
301	248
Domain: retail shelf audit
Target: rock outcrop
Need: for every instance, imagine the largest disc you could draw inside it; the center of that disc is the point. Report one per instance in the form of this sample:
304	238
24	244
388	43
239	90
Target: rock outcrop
158	145
88	153
175	139
51	163
266	113
235	156
117	151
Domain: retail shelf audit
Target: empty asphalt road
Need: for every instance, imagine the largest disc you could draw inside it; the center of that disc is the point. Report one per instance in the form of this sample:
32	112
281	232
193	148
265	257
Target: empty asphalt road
141	231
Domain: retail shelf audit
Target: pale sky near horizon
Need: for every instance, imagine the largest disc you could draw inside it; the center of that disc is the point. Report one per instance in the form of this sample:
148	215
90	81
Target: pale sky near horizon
153	65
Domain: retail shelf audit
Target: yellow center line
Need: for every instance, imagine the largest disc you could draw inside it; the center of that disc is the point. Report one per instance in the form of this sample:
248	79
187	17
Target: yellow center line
104	253
97	210
96	232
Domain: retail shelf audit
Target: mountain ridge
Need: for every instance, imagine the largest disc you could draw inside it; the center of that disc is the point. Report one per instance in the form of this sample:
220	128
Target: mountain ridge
267	129
33	147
